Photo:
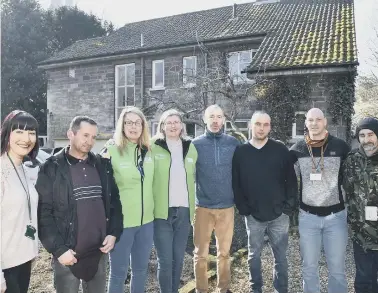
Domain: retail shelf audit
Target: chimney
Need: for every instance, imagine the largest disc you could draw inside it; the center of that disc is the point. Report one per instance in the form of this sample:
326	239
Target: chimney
141	40
234	11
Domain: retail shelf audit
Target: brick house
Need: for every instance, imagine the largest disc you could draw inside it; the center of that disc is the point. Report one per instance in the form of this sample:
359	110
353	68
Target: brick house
152	58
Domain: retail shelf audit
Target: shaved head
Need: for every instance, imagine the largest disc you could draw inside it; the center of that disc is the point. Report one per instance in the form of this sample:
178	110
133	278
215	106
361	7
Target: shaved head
315	112
316	123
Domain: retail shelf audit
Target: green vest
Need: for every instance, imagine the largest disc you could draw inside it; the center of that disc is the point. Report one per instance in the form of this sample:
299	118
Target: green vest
135	192
162	163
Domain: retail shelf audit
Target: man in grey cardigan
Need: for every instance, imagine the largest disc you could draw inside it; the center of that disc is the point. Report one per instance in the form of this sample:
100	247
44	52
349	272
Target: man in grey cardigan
214	199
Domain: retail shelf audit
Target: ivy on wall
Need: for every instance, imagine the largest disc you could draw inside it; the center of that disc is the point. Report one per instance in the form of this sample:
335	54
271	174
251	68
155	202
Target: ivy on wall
341	100
280	97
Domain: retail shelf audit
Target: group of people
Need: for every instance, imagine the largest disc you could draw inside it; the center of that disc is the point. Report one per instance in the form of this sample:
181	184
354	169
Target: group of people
140	192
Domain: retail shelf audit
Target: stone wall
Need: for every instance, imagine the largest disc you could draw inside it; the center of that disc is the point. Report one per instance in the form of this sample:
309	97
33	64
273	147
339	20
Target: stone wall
88	89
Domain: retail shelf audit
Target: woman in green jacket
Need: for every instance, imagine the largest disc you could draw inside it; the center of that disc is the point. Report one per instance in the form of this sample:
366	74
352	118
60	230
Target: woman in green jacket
133	172
174	163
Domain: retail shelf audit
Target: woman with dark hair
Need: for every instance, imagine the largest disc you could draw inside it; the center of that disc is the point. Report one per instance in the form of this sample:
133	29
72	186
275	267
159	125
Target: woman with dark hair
18	200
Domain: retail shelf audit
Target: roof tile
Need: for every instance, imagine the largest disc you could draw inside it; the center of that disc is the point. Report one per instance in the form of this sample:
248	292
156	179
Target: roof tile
299	33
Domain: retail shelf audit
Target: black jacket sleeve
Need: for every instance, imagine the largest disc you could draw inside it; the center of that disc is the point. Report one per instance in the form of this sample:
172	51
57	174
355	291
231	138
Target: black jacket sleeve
291	181
48	232
240	200
116	216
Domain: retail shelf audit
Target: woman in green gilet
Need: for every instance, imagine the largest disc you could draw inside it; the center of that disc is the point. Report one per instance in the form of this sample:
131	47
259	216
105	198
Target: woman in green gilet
133	172
174	161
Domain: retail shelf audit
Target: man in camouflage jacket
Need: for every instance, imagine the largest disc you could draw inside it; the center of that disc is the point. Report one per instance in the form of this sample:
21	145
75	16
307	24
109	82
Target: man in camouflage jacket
361	186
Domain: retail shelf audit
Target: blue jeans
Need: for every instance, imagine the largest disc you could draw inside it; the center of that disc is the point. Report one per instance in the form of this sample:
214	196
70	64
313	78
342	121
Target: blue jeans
366	269
170	239
332	232
134	247
277	231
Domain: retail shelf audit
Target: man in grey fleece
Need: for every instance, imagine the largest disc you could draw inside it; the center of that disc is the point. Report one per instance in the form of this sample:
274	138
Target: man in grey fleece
214	199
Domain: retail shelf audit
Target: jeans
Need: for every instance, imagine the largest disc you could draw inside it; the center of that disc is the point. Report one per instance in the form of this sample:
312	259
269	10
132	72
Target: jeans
222	222
332	232
17	278
66	282
366	269
134	248
278	233
170	239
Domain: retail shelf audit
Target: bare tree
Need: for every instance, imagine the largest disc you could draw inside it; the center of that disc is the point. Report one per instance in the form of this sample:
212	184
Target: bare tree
214	78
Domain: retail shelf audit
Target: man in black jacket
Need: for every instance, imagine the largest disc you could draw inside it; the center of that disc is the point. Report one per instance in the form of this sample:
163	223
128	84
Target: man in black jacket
265	190
79	211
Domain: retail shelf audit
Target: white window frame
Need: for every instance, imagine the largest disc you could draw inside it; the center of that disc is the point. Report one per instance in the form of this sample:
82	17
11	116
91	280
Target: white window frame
241	129
119	109
154	62
154	127
184	76
241	77
294	127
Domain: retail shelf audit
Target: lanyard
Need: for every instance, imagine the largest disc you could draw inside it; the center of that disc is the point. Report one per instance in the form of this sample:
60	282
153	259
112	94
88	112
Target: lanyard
25	188
315	167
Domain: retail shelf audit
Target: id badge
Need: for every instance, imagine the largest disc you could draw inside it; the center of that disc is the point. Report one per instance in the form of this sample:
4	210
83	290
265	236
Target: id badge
371	213
316	176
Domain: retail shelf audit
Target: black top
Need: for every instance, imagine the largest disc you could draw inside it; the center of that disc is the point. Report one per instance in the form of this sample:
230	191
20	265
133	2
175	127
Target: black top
321	197
57	211
87	191
264	181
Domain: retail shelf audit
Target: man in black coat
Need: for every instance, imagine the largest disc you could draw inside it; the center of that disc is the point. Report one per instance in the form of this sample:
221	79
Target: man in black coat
79	211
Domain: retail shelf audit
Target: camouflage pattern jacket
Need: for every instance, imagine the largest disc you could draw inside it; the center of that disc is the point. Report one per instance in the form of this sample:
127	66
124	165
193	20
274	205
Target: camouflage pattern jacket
361	187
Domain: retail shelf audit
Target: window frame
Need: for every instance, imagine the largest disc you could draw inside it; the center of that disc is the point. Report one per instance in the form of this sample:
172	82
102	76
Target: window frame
118	109
154	127
184	76
248	121
239	78
154	86
294	126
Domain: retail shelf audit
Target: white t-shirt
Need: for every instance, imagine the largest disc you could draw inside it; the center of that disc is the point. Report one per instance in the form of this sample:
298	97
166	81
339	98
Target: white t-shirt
178	190
16	248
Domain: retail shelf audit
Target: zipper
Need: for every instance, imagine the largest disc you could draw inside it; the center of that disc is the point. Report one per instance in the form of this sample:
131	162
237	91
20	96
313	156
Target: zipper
215	151
141	187
107	198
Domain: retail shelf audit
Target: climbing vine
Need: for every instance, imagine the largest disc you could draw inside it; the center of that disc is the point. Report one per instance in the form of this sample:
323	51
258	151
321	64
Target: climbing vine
280	97
341	100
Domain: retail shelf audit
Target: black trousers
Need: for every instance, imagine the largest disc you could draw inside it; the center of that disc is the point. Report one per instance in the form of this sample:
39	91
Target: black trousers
18	278
366	270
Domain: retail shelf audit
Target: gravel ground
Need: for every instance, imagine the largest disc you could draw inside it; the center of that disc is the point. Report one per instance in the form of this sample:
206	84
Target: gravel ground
42	282
240	282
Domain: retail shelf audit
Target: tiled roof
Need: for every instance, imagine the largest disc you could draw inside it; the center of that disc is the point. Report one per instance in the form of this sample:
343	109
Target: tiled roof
298	33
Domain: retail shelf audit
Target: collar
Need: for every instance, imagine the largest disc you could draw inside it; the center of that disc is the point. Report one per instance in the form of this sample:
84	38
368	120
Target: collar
373	158
212	134
71	160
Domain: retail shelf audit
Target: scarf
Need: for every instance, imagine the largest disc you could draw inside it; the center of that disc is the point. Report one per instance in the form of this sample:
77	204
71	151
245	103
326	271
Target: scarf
316	143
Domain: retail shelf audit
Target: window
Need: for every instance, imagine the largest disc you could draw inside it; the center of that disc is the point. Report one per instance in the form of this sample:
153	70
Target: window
242	124
237	61
189	71
154	128
299	125
191	129
158	74
124	87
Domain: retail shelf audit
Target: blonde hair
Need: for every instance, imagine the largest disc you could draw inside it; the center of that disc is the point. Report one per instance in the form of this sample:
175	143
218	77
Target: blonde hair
120	138
169	113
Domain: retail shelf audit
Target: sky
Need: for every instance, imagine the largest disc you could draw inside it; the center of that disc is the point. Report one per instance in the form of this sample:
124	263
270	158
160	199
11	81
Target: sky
121	12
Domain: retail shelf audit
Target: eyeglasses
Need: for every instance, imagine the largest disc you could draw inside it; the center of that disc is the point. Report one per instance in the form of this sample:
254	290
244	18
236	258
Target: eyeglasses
130	123
170	124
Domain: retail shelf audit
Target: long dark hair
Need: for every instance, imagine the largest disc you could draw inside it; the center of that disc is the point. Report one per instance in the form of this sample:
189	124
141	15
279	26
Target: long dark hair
18	120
